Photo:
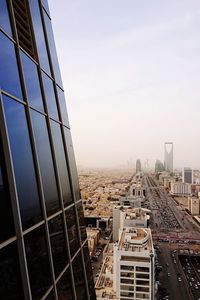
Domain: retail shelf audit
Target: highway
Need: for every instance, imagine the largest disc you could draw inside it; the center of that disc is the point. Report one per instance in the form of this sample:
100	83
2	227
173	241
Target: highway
173	230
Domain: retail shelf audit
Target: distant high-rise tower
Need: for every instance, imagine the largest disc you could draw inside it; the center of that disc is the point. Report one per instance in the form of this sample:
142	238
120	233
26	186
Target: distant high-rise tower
43	242
138	166
159	167
187	175
168	164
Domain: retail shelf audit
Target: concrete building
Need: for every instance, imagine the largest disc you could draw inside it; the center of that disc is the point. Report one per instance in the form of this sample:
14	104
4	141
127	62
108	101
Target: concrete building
180	189
187	175
138	166
129	217
193	205
168	157
133	268
93	239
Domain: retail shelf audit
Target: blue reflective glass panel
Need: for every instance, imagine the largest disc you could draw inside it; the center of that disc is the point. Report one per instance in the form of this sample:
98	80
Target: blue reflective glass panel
46	5
79	278
61	163
72	164
82	227
32	82
64	287
9	75
63	108
58	244
89	272
4	17
39	35
52	48
6	217
72	230
50	97
38	262
10	278
46	163
23	162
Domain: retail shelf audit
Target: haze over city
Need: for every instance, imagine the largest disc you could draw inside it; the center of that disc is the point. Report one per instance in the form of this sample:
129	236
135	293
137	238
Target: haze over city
131	75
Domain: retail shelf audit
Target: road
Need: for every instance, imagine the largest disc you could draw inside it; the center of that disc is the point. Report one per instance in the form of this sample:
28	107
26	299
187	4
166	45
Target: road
173	230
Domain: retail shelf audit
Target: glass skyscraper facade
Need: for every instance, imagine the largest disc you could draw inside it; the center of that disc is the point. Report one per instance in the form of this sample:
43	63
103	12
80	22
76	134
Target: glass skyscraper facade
43	245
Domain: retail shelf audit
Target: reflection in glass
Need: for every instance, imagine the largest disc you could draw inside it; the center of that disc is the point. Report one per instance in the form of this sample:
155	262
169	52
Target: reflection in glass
82	227
46	5
72	230
6	218
32	82
58	244
61	163
4	17
72	164
10	279
79	278
23	162
50	296
64	287
63	108
9	75
50	97
45	162
39	35
89	274
52	48
38	262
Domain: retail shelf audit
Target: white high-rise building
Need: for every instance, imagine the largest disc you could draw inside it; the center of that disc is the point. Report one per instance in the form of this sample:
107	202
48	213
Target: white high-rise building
133	268
168	164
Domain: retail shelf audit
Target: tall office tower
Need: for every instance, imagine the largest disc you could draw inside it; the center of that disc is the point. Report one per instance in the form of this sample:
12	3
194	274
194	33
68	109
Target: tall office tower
138	166
187	175
168	157
159	167
43	246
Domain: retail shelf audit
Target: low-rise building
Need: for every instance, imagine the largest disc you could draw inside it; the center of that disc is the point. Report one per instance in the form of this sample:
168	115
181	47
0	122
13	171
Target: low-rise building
180	189
193	205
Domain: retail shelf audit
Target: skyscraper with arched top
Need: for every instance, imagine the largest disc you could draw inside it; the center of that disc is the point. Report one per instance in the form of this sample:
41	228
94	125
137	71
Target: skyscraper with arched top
168	160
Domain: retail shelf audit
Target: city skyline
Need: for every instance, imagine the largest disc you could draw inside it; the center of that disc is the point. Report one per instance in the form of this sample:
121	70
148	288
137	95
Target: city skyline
130	71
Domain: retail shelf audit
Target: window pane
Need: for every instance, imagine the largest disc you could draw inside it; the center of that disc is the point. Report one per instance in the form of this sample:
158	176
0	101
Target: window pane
50	296
46	163
72	230
61	163
46	5
64	287
52	48
9	75
10	278
58	244
38	262
23	162
63	108
50	97
89	274
72	164
39	35
79	278
32	82
4	17
82	227
6	217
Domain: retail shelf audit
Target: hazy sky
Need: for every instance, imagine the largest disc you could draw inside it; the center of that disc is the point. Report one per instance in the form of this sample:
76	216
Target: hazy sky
131	73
